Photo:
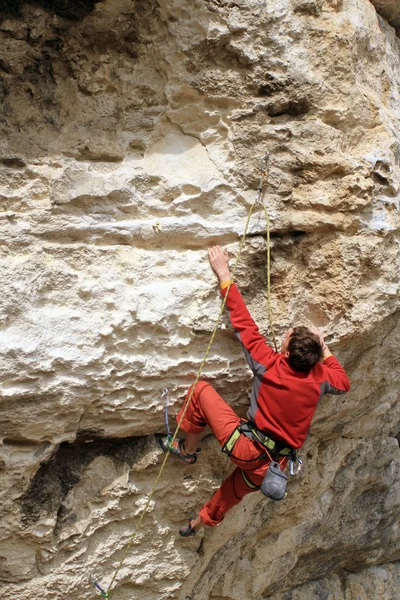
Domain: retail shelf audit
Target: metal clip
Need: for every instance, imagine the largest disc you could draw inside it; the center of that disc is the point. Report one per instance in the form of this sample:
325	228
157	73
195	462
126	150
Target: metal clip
157	226
165	399
293	469
98	586
264	162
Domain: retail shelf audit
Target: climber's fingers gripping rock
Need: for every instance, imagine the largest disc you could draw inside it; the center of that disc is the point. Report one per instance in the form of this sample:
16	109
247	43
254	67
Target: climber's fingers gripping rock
219	262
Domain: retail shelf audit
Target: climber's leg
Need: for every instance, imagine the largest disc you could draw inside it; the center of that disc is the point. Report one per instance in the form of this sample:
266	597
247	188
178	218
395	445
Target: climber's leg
206	408
231	492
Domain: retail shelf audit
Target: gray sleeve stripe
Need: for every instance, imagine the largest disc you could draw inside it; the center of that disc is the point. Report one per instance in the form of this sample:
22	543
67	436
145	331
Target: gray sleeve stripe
255	366
255	390
327	388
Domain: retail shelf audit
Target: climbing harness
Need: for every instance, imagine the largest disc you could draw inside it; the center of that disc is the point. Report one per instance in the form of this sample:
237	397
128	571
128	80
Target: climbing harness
251	431
249	483
264	169
274	483
263	438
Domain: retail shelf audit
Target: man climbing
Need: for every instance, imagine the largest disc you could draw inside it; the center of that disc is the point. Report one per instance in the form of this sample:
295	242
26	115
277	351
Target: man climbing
287	387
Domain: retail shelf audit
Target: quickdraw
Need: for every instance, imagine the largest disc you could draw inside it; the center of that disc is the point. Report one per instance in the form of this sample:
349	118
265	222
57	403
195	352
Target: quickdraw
165	399
98	586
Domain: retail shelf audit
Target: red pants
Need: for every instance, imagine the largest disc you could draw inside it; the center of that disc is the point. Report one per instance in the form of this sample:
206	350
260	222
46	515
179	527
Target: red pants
208	408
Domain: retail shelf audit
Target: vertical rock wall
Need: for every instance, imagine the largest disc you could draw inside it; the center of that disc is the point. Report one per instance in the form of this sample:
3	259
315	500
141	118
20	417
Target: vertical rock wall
131	132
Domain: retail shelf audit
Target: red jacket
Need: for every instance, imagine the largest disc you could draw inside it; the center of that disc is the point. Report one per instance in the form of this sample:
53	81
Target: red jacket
283	400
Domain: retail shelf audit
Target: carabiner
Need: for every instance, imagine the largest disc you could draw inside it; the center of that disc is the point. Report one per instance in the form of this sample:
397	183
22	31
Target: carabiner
165	396
295	470
264	162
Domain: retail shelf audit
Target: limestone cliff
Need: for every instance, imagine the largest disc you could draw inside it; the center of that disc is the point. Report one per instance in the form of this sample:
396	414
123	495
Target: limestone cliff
130	137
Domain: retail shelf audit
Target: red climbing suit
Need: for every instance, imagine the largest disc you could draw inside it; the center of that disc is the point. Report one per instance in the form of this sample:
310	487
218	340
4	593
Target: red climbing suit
283	402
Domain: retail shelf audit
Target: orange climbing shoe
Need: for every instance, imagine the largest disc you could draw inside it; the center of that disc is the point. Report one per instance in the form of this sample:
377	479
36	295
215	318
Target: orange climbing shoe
186	530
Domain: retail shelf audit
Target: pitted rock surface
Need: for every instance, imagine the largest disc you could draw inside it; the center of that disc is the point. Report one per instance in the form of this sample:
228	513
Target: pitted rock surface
131	136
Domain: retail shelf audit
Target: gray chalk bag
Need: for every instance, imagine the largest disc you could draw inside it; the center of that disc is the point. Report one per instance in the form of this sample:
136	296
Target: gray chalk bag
274	482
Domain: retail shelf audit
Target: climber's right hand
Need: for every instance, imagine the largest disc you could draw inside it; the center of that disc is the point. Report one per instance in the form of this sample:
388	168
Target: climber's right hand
219	262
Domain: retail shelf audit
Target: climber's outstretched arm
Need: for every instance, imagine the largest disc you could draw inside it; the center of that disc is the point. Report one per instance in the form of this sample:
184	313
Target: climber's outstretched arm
257	351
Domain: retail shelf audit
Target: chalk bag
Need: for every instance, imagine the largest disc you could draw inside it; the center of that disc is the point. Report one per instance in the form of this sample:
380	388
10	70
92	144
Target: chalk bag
274	482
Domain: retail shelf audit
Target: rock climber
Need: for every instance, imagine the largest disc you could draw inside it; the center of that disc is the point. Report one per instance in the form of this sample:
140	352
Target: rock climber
287	387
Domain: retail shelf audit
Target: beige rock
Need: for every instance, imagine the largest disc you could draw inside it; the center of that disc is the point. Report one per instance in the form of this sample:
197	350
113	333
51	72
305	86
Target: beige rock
131	139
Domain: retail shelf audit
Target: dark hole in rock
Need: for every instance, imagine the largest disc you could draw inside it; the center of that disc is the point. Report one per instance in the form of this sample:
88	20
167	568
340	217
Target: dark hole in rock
57	476
397	436
10	7
265	90
12	163
308	7
293	108
4	67
3	88
296	234
21	442
270	86
68	9
380	178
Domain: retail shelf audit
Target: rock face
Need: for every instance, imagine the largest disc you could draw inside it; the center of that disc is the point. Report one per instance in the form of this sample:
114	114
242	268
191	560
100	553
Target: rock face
390	10
131	132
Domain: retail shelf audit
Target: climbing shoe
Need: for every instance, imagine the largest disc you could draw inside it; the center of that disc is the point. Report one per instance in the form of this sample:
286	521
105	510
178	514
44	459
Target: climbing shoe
186	530
176	448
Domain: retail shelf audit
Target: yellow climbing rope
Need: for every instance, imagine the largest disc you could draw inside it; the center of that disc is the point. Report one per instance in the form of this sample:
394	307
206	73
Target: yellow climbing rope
264	174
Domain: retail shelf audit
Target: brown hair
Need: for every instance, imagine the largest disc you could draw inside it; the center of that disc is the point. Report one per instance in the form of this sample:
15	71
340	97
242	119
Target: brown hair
304	348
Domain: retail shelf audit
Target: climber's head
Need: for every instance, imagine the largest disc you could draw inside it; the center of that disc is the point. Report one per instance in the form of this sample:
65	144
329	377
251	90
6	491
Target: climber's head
302	349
